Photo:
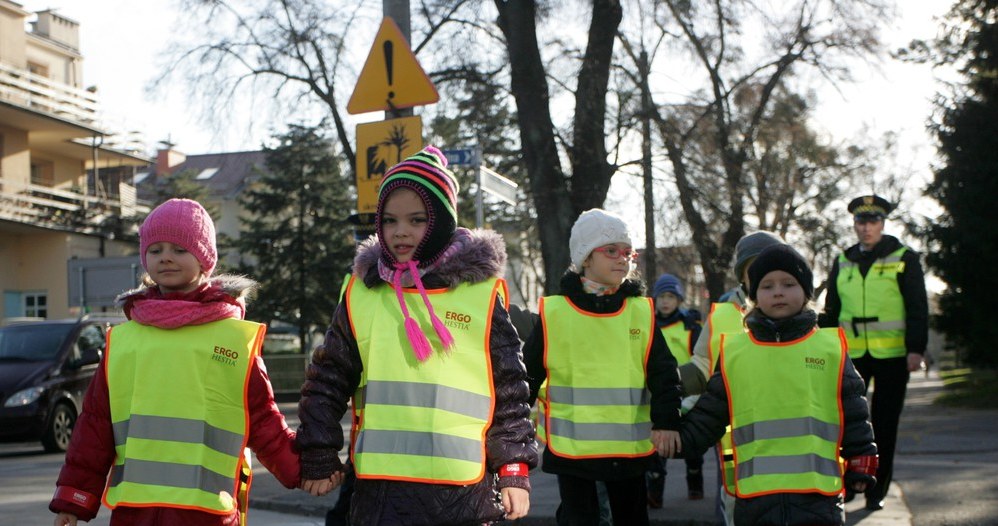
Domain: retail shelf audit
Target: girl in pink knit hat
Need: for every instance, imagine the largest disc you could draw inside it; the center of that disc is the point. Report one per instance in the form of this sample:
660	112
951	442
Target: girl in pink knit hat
181	394
423	345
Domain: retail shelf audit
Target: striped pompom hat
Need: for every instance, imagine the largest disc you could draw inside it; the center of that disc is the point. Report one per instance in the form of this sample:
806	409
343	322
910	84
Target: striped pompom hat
425	173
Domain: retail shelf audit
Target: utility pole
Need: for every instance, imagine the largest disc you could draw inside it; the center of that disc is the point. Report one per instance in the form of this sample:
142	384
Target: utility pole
306	170
398	10
650	256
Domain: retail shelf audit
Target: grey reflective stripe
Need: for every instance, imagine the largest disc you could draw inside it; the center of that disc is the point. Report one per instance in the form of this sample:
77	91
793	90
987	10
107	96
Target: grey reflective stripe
178	430
415	394
788	465
898	325
603	431
885	325
786	428
173	475
598	395
418	443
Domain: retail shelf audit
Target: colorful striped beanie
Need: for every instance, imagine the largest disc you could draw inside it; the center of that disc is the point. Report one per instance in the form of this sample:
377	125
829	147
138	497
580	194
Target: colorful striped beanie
425	173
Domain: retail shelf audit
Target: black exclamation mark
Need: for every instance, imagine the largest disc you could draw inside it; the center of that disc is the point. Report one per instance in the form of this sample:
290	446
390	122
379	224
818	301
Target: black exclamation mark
387	48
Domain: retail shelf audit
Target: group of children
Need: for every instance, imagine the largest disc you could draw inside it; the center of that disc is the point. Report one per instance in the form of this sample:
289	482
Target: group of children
421	349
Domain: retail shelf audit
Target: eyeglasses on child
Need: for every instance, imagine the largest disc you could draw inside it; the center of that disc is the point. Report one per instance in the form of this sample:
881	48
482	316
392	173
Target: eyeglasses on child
615	252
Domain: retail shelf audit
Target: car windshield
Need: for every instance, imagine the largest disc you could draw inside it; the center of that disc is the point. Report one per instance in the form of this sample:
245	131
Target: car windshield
32	342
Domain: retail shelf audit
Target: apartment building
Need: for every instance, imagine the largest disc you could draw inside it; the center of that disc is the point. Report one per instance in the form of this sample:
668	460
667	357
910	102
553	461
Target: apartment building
66	190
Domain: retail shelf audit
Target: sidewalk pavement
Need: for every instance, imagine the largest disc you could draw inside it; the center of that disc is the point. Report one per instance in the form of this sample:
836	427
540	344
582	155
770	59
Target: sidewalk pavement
944	475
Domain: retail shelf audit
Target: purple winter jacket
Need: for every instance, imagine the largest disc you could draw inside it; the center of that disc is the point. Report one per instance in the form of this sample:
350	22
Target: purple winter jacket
334	374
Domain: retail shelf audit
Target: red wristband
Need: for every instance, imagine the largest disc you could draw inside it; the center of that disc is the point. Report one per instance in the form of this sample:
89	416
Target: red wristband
80	498
516	469
866	464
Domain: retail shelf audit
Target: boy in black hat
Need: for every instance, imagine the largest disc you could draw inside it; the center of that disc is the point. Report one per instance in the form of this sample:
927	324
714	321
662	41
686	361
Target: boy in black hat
793	400
876	293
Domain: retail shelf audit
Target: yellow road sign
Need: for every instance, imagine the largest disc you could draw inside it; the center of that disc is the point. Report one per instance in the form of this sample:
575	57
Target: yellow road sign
391	77
381	145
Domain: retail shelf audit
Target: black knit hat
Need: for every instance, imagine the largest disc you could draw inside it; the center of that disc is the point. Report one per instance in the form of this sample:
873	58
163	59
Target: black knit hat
425	173
785	258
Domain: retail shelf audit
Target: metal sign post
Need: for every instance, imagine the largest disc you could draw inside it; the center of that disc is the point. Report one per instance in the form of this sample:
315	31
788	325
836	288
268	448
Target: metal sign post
487	180
470	157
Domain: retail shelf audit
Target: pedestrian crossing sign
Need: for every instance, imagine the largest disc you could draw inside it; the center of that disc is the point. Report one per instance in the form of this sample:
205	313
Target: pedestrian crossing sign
391	77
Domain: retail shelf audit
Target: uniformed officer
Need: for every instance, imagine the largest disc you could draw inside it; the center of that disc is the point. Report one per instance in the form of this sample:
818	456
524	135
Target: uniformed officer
876	293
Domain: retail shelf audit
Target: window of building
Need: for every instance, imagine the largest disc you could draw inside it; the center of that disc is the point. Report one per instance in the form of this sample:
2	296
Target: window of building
35	304
42	172
206	173
38	69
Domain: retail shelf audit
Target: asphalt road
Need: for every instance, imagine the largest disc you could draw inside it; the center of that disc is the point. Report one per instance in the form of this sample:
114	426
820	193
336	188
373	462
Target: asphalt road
945	470
27	480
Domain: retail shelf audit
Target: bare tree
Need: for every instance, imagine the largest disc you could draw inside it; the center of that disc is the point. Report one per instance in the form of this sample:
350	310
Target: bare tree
561	196
276	53
714	137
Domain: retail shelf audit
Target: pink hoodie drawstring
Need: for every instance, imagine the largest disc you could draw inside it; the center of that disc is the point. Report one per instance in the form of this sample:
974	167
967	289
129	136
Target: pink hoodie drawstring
420	344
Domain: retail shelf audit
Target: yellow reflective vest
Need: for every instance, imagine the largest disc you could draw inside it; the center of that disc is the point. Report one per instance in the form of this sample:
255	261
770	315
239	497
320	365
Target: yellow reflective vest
595	402
178	409
423	421
785	406
678	338
724	318
873	314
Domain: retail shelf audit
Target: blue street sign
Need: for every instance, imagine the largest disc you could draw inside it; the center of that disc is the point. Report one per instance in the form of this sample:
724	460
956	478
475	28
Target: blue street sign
461	157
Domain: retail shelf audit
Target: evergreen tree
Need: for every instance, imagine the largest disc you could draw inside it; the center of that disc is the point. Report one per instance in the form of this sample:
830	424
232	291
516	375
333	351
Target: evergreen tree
297	242
966	186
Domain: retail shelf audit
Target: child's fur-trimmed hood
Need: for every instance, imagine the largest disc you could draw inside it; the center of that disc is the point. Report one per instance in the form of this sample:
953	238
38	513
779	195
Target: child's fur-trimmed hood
483	256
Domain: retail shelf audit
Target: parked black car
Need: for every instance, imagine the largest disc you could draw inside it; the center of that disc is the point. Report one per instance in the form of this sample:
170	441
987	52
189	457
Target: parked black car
45	368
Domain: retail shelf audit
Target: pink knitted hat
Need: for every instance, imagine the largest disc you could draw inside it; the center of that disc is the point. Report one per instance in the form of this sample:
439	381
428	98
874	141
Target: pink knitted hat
184	223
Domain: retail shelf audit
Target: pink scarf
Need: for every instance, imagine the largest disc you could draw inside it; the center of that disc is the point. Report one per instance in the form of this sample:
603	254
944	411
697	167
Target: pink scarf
203	305
408	274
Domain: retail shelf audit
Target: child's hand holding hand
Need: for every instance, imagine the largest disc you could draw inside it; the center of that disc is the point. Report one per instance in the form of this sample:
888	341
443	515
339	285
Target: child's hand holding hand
516	502
320	487
861	472
65	519
666	442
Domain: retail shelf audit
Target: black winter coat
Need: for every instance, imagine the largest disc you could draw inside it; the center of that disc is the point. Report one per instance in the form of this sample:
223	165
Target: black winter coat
334	373
662	381
704	425
911	284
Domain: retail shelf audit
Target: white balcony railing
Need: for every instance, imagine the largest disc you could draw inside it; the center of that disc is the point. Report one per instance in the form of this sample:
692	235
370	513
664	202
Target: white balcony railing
50	207
39	93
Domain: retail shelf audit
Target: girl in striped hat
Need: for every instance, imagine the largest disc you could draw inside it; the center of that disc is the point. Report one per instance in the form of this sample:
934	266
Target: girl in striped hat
423	346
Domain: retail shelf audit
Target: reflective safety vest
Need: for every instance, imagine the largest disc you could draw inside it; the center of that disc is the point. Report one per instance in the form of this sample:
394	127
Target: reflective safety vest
178	410
678	339
423	421
873	312
785	406
724	318
595	402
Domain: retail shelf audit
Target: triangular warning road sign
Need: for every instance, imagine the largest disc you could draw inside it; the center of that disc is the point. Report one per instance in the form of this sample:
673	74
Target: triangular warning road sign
391	77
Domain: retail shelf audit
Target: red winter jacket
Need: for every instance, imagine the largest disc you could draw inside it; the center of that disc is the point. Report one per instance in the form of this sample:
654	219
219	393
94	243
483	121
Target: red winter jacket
91	455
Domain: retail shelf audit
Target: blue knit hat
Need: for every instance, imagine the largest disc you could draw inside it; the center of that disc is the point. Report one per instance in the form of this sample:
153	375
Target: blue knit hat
668	283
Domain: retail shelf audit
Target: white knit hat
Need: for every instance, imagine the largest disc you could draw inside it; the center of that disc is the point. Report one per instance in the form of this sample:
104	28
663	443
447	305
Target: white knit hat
593	229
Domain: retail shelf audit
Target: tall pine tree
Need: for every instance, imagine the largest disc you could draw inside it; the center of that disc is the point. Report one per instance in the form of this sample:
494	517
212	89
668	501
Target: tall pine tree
964	246
297	241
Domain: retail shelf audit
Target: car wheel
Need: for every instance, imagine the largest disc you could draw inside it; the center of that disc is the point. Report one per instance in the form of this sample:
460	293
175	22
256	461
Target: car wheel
60	428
